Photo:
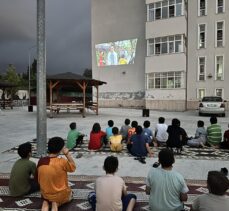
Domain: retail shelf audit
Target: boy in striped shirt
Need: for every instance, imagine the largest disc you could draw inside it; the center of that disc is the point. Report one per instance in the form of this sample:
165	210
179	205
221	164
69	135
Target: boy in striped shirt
214	133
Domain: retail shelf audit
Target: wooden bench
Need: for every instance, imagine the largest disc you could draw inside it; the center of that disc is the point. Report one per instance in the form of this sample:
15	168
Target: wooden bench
55	108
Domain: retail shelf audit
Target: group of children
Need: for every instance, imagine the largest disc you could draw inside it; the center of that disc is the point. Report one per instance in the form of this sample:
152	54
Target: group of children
139	139
166	188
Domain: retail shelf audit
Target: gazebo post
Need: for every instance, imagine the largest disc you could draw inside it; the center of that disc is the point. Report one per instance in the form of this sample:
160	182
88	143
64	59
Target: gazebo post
50	98
84	98
51	86
97	99
83	87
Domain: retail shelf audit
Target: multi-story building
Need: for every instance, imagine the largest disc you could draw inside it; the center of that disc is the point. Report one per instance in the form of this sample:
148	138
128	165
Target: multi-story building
180	54
208	50
165	64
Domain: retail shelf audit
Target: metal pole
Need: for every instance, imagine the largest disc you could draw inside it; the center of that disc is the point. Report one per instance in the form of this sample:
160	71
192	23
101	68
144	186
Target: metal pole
41	80
29	106
29	79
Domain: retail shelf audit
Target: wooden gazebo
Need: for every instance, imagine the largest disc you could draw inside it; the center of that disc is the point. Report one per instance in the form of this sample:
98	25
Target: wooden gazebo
58	81
4	102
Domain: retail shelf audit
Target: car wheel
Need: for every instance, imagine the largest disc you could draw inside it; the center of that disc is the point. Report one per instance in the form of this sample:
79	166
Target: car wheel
223	115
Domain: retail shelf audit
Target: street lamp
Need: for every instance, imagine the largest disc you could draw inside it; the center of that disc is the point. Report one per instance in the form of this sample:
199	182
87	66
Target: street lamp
30	107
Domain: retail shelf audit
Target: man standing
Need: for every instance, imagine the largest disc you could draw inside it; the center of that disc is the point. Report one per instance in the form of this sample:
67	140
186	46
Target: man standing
214	133
166	187
112	57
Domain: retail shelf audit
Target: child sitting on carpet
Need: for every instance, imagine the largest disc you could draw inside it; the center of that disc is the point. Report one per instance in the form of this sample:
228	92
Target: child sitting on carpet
115	141
216	199
97	137
21	182
124	130
147	131
52	175
200	136
132	130
109	129
110	190
74	137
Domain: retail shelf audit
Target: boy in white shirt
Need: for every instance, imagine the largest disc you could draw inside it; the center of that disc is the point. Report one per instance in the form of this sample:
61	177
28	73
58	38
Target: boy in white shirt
161	135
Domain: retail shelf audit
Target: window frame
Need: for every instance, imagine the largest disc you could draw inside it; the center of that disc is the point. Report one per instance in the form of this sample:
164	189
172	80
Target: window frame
206	6
216	68
222	92
217	7
168	42
205	42
197	94
205	65
161	10
216	34
153	76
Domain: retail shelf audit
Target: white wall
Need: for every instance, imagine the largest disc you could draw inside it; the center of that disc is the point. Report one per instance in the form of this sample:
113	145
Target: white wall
114	21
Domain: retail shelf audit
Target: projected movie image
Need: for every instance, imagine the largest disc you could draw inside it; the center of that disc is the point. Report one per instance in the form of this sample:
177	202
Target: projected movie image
116	53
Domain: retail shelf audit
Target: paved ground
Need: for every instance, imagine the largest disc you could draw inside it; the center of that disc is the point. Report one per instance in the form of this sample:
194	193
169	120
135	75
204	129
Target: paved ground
18	126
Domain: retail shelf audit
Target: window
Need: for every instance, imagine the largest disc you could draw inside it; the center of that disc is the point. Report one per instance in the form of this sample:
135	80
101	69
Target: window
151	12
165	9
219	67
219	6
167	80
201	69
202	7
202	36
200	93
220	34
165	45
158	11
219	92
151	47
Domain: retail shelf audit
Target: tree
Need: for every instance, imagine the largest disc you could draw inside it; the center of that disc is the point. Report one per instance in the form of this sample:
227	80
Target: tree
33	74
12	77
87	73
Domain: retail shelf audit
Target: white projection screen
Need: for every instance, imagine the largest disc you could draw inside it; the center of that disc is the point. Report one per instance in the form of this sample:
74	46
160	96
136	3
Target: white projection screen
116	53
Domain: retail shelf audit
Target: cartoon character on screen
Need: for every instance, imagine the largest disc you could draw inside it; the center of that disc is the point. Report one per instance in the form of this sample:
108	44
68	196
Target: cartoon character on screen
112	57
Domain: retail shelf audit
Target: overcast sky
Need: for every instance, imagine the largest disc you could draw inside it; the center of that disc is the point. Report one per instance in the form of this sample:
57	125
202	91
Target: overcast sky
68	35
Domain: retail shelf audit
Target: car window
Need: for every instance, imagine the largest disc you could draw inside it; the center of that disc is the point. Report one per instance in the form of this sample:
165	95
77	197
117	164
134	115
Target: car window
212	99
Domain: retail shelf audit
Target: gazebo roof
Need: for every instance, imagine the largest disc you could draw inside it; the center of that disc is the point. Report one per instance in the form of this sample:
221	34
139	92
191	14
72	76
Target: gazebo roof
69	76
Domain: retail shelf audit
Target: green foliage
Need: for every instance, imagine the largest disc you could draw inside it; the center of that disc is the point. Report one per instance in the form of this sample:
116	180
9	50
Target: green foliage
87	73
13	78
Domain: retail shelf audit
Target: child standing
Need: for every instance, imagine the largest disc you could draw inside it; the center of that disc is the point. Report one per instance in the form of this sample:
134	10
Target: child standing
74	137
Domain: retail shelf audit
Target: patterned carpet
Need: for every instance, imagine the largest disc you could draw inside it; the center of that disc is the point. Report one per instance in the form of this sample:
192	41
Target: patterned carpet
187	153
81	186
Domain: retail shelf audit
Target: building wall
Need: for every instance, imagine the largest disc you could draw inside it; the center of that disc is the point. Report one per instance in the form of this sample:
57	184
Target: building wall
166	27
166	99
114	21
210	84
